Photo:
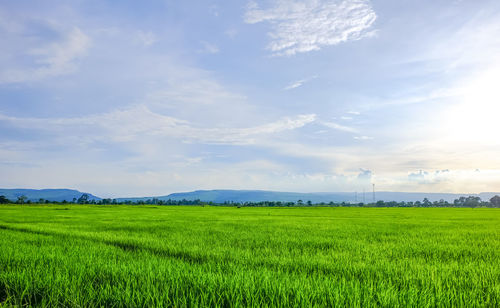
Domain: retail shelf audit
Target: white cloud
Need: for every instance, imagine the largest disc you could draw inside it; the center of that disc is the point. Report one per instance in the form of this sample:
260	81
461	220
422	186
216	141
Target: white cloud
50	58
365	176
339	127
303	26
435	177
417	176
295	84
299	83
139	122
363	138
195	95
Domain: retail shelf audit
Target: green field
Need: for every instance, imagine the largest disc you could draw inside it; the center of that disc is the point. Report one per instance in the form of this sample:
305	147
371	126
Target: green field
85	256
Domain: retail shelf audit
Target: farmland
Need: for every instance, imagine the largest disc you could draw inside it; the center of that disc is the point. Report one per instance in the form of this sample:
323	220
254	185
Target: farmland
88	255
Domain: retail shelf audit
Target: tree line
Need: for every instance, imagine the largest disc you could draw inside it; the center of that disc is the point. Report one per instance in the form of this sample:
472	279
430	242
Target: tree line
470	201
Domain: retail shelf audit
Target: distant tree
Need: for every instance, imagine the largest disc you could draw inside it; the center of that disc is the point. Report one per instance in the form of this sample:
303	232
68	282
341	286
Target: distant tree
470	201
4	200
309	203
426	202
104	201
21	199
441	203
300	202
473	201
41	200
83	199
391	204
495	201
459	202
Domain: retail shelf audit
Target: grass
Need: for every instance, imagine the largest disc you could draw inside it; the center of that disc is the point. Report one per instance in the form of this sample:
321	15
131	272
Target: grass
89	256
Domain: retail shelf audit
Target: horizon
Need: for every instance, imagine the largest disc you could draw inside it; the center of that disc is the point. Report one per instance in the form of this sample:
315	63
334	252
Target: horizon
148	99
359	193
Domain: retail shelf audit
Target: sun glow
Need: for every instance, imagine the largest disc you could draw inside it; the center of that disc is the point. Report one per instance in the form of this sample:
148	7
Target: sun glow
476	117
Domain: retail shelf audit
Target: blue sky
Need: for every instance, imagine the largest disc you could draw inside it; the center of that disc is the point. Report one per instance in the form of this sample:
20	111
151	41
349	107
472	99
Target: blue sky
132	98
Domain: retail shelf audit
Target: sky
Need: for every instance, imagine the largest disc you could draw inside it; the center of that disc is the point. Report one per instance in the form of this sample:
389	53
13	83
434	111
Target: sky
142	98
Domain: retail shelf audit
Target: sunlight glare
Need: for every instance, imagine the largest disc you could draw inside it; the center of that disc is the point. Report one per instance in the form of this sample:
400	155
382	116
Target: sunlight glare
475	118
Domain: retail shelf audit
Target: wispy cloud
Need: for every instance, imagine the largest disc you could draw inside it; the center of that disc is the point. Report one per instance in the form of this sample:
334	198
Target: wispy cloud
363	138
365	176
299	83
50	58
302	26
132	124
339	127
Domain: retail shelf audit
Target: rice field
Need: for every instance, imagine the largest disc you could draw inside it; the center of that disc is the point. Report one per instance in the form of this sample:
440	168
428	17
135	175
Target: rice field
147	256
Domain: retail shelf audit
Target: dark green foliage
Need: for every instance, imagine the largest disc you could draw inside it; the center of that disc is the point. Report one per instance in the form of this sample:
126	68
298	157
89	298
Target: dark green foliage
470	201
495	201
21	199
147	256
256	196
84	199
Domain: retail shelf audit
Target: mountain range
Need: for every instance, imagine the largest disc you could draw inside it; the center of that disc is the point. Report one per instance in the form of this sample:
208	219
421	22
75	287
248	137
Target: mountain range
220	196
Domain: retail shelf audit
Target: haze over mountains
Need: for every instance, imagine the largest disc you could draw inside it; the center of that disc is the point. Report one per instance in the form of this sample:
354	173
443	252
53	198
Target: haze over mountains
220	196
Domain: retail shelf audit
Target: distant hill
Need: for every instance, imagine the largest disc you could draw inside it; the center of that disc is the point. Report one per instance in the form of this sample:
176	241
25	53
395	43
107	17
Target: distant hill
46	194
220	196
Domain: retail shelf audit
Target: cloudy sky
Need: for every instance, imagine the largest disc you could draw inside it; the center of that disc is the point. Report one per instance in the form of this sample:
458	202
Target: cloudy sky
134	98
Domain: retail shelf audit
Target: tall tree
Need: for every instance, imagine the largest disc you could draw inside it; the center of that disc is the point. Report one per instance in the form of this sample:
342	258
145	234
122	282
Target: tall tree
495	201
83	199
21	199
